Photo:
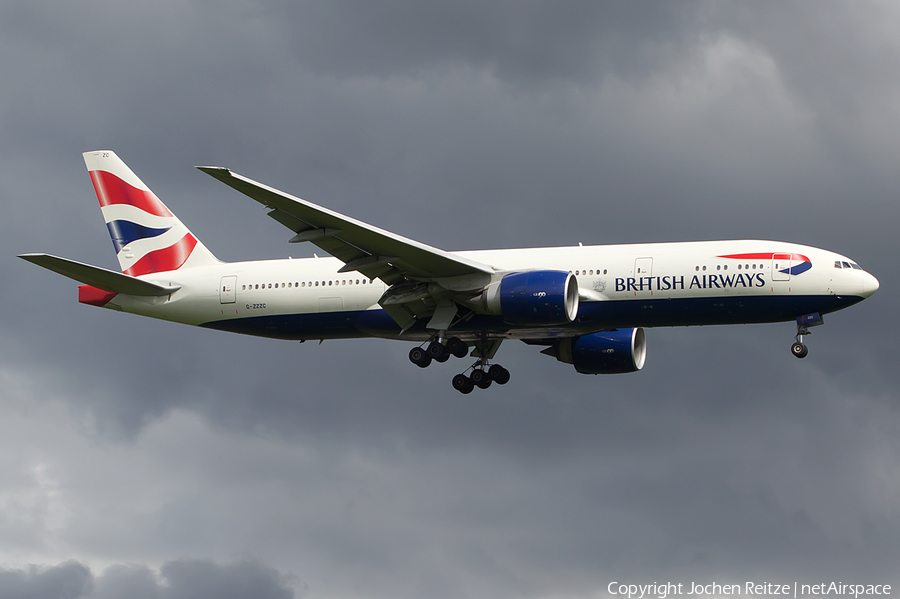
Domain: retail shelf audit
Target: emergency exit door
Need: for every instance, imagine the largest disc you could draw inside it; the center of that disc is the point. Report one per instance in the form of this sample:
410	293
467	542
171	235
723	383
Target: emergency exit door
226	290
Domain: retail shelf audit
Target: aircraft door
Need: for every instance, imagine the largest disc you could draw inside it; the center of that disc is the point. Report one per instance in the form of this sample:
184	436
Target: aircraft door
643	267
226	290
781	262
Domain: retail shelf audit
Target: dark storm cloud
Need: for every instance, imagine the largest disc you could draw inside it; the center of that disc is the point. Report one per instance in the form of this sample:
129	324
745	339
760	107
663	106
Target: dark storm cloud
177	580
520	42
465	126
70	580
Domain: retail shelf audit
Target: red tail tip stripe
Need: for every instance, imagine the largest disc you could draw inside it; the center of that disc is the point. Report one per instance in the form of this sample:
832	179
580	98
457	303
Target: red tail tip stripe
113	190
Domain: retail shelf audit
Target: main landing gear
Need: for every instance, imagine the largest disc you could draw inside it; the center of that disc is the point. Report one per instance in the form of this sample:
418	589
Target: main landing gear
482	374
481	377
437	351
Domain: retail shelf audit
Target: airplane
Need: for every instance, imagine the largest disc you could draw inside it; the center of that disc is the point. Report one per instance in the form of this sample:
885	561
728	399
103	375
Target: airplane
586	305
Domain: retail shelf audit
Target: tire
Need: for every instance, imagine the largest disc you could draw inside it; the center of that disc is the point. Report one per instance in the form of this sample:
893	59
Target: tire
481	379
436	351
799	350
457	347
499	374
462	383
419	357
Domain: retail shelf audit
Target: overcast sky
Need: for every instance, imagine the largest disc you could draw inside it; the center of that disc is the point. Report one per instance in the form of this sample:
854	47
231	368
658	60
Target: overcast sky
146	459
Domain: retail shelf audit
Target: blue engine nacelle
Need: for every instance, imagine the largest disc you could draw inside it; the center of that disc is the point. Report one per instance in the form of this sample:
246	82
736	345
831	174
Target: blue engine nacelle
537	298
606	352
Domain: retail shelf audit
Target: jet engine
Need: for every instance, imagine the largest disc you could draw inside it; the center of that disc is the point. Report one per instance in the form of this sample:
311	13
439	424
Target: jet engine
536	298
607	352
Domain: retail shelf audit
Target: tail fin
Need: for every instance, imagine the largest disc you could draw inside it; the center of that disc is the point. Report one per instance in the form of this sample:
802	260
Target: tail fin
148	238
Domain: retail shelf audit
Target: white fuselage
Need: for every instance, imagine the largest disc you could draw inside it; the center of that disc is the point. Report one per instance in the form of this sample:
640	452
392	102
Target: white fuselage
660	284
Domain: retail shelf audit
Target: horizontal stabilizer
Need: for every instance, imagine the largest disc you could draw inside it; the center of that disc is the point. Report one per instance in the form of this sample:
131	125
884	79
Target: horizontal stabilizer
100	278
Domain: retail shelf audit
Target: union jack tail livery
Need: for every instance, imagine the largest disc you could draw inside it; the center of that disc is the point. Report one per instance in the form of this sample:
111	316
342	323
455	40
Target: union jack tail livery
148	238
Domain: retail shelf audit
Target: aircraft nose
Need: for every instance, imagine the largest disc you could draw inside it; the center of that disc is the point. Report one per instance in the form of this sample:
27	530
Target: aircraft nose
869	285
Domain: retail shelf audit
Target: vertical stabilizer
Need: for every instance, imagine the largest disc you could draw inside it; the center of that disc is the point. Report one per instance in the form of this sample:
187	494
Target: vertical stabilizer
148	238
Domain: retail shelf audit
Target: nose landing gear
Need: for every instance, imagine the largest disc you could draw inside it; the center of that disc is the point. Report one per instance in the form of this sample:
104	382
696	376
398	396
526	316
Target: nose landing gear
798	348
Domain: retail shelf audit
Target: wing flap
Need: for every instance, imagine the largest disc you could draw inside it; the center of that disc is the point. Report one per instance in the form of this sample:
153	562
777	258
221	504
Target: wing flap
101	278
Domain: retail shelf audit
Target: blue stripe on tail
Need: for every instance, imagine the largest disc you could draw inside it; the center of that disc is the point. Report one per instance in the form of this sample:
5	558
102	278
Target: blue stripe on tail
124	232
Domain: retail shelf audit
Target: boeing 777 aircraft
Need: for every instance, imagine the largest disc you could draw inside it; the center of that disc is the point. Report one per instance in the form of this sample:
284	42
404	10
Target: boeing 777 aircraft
587	305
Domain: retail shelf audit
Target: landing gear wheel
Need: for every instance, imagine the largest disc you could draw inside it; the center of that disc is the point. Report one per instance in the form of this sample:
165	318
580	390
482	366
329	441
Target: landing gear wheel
436	351
419	357
457	347
799	350
481	379
499	374
463	384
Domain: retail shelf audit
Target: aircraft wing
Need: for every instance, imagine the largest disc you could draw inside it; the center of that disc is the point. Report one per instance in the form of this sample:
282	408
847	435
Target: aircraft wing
101	278
361	247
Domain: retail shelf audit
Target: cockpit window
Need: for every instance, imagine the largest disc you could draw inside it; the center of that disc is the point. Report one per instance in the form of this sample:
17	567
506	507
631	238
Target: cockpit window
853	265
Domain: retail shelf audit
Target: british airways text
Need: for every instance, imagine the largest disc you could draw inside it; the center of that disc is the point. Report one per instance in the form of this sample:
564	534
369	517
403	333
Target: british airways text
667	283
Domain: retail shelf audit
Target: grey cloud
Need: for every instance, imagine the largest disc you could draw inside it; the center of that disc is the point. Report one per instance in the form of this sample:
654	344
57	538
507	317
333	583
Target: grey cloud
70	580
181	579
521	42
